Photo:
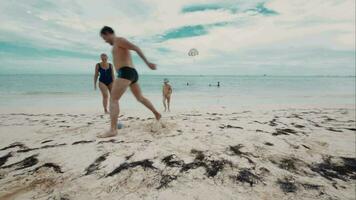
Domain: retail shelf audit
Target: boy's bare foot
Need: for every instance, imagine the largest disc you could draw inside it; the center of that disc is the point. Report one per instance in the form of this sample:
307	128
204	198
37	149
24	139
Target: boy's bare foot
158	116
109	133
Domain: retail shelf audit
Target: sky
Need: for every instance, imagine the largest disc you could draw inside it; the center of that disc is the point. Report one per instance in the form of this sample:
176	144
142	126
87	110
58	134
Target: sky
233	37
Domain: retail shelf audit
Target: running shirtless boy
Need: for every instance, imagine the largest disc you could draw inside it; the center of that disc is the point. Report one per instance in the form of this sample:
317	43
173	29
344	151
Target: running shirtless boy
127	76
166	92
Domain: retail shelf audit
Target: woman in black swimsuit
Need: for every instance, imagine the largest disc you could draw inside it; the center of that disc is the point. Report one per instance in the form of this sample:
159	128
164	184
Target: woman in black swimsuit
106	72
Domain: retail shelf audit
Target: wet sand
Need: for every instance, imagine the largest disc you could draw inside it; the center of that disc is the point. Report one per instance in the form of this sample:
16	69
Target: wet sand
211	154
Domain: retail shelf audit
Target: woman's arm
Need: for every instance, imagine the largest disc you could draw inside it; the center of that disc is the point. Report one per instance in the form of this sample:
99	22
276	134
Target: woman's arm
96	74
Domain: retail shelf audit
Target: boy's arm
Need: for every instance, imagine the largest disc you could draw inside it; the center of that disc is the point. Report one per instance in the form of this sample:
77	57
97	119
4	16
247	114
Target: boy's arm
123	43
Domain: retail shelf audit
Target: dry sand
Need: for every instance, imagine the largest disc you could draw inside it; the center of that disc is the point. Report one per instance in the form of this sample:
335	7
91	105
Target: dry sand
219	154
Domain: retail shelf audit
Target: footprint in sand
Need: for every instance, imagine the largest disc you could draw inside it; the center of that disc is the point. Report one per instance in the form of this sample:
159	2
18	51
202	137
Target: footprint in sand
158	125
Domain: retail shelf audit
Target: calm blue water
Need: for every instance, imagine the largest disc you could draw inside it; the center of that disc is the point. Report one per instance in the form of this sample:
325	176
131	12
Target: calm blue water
77	90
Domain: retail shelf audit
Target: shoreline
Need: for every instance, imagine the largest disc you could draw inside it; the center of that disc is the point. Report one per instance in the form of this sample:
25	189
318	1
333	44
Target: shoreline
140	109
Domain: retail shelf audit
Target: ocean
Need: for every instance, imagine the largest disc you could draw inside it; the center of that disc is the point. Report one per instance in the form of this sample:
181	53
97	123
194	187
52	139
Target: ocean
73	91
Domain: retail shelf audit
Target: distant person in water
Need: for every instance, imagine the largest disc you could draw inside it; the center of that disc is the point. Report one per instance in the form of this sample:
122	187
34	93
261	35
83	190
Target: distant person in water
218	84
187	84
167	92
104	71
127	76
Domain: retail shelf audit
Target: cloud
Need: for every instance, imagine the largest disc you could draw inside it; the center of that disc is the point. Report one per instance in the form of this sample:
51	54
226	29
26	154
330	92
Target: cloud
243	36
253	8
261	9
201	7
185	31
11	49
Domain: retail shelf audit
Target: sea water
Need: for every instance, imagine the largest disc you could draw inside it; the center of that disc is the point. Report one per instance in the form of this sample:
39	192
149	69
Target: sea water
72	91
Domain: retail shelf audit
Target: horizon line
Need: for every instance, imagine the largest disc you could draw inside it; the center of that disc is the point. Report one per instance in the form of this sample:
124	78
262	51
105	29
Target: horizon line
263	75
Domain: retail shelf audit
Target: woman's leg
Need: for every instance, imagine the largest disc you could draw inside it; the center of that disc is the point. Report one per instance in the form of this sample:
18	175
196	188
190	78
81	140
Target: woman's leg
104	92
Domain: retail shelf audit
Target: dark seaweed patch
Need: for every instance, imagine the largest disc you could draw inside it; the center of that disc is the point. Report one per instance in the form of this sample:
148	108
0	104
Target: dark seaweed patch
259	131
284	131
46	141
64	198
290	164
55	167
245	176
309	186
129	156
146	164
229	126
25	163
27	150
259	122
236	150
13	145
199	155
287	164
212	167
295	116
4	158
344	169
83	142
172	161
328	118
110	141
193	165
287	185
314	123
268	144
95	165
298	126
273	122
42	147
333	129
165	180
52	146
351	129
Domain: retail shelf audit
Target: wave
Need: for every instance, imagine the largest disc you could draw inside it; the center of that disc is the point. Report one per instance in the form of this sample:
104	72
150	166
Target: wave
46	92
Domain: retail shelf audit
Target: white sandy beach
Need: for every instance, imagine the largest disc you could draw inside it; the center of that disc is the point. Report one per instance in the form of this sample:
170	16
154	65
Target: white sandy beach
262	96
208	154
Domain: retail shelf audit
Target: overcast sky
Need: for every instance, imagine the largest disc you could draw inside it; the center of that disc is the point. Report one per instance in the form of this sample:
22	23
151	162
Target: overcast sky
233	37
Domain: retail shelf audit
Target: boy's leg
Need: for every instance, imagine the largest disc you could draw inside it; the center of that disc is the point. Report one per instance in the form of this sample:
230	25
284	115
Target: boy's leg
169	103
164	103
119	87
136	91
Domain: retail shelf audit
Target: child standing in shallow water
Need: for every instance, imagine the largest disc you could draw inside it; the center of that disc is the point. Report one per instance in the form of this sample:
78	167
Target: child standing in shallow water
167	92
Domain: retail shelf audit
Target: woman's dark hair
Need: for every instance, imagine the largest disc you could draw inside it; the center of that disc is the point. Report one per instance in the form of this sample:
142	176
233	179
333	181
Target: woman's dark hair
106	30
